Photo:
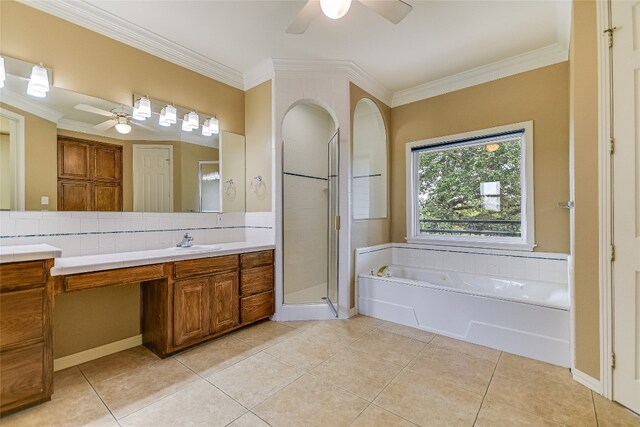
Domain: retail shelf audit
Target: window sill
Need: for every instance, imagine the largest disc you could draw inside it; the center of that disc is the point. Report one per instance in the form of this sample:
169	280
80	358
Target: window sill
471	243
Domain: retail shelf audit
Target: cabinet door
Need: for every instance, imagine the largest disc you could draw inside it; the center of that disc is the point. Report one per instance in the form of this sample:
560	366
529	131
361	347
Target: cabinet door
74	195
107	197
190	310
73	159
107	163
224	301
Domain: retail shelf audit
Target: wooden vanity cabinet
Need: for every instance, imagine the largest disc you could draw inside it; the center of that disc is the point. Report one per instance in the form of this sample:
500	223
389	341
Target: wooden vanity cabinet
204	298
26	350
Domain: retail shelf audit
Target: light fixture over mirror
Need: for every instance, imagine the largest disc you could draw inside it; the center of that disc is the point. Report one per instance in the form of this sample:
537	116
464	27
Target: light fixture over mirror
38	82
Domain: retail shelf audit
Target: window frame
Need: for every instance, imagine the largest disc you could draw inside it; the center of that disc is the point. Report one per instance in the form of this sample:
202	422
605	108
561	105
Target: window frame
526	242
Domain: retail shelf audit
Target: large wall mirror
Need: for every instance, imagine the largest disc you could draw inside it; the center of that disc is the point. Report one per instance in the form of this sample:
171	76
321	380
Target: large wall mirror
70	151
369	186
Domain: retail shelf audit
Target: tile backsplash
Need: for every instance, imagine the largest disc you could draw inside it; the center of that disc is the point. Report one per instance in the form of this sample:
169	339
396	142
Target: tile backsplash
90	233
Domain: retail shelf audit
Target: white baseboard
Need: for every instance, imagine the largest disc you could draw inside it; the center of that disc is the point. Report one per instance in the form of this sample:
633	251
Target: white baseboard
587	380
353	311
96	353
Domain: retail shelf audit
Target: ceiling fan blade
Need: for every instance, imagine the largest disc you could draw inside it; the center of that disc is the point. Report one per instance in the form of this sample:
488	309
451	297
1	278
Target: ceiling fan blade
304	18
133	122
105	125
393	10
94	110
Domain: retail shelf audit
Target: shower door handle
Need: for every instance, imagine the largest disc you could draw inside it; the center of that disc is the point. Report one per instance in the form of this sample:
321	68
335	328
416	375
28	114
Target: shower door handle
337	222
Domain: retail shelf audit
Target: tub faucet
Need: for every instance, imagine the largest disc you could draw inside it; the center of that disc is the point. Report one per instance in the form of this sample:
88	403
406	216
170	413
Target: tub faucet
187	241
384	271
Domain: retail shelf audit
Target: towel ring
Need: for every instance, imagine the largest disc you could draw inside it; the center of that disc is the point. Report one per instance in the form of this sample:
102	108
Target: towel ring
230	188
257	183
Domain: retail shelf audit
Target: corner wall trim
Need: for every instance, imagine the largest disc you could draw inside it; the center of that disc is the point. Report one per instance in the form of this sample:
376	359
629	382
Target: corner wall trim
587	380
96	353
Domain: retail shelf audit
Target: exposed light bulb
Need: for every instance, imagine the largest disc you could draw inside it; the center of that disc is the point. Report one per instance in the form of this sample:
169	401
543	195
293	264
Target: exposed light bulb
3	74
335	9
38	82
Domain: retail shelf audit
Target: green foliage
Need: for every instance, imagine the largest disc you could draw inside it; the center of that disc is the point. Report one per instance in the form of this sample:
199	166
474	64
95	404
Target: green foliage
449	189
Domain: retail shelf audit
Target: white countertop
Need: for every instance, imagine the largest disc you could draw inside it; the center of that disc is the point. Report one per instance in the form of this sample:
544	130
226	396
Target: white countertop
28	253
88	263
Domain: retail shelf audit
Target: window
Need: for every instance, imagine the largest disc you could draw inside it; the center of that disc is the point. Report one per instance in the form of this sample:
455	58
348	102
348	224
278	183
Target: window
473	189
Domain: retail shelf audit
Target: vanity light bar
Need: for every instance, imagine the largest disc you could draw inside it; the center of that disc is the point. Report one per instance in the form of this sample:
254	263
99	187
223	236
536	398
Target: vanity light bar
169	114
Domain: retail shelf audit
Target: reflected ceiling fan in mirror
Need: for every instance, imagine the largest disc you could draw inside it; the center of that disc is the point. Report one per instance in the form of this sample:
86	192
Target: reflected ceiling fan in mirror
118	118
393	10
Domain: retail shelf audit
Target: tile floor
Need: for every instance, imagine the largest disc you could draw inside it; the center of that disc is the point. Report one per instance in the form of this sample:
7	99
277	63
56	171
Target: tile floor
356	372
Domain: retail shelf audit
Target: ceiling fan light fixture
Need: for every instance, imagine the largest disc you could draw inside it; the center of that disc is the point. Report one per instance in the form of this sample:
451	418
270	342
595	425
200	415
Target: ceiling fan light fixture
38	82
3	73
123	126
335	9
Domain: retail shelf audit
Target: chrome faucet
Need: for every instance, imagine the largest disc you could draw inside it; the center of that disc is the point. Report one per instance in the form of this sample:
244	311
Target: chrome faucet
187	241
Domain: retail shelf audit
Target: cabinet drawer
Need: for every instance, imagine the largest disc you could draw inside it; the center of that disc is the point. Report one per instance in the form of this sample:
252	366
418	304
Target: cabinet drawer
22	316
256	307
21	374
256	280
22	275
256	259
194	267
119	276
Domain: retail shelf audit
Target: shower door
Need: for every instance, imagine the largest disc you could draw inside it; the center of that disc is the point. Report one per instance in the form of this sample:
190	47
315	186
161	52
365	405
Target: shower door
333	217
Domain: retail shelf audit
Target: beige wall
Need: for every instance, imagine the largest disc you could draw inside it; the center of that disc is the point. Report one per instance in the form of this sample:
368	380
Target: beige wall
233	167
87	62
371	231
584	137
40	149
258	116
541	95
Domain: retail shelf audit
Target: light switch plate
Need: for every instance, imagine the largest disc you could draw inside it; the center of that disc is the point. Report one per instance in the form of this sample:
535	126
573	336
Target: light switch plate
44	200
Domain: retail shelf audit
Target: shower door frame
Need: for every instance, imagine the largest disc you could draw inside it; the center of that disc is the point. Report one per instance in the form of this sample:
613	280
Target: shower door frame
333	219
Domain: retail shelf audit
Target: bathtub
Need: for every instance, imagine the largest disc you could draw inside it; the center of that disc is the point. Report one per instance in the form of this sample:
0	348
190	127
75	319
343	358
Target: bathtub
524	317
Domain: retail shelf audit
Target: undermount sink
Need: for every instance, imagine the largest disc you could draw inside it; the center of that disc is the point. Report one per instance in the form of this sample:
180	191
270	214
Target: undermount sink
195	248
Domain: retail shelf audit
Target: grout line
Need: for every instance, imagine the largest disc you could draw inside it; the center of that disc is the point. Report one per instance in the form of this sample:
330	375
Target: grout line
259	417
487	389
97	394
595	411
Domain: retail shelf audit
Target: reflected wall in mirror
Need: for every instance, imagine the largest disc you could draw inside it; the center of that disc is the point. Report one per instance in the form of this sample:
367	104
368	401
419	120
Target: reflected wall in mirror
209	186
369	162
159	165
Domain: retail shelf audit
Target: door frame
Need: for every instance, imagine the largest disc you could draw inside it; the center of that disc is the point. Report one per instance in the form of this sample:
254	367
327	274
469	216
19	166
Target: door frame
605	203
17	158
136	154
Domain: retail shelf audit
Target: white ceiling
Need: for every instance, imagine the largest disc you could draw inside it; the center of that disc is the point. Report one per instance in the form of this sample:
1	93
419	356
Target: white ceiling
438	39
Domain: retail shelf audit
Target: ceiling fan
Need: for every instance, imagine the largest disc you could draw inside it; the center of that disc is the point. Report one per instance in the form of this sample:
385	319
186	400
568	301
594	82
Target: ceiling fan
118	117
393	10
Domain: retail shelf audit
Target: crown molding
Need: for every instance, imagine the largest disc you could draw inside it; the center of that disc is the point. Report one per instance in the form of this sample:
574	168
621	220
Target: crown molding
95	19
23	103
352	71
259	74
542	57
